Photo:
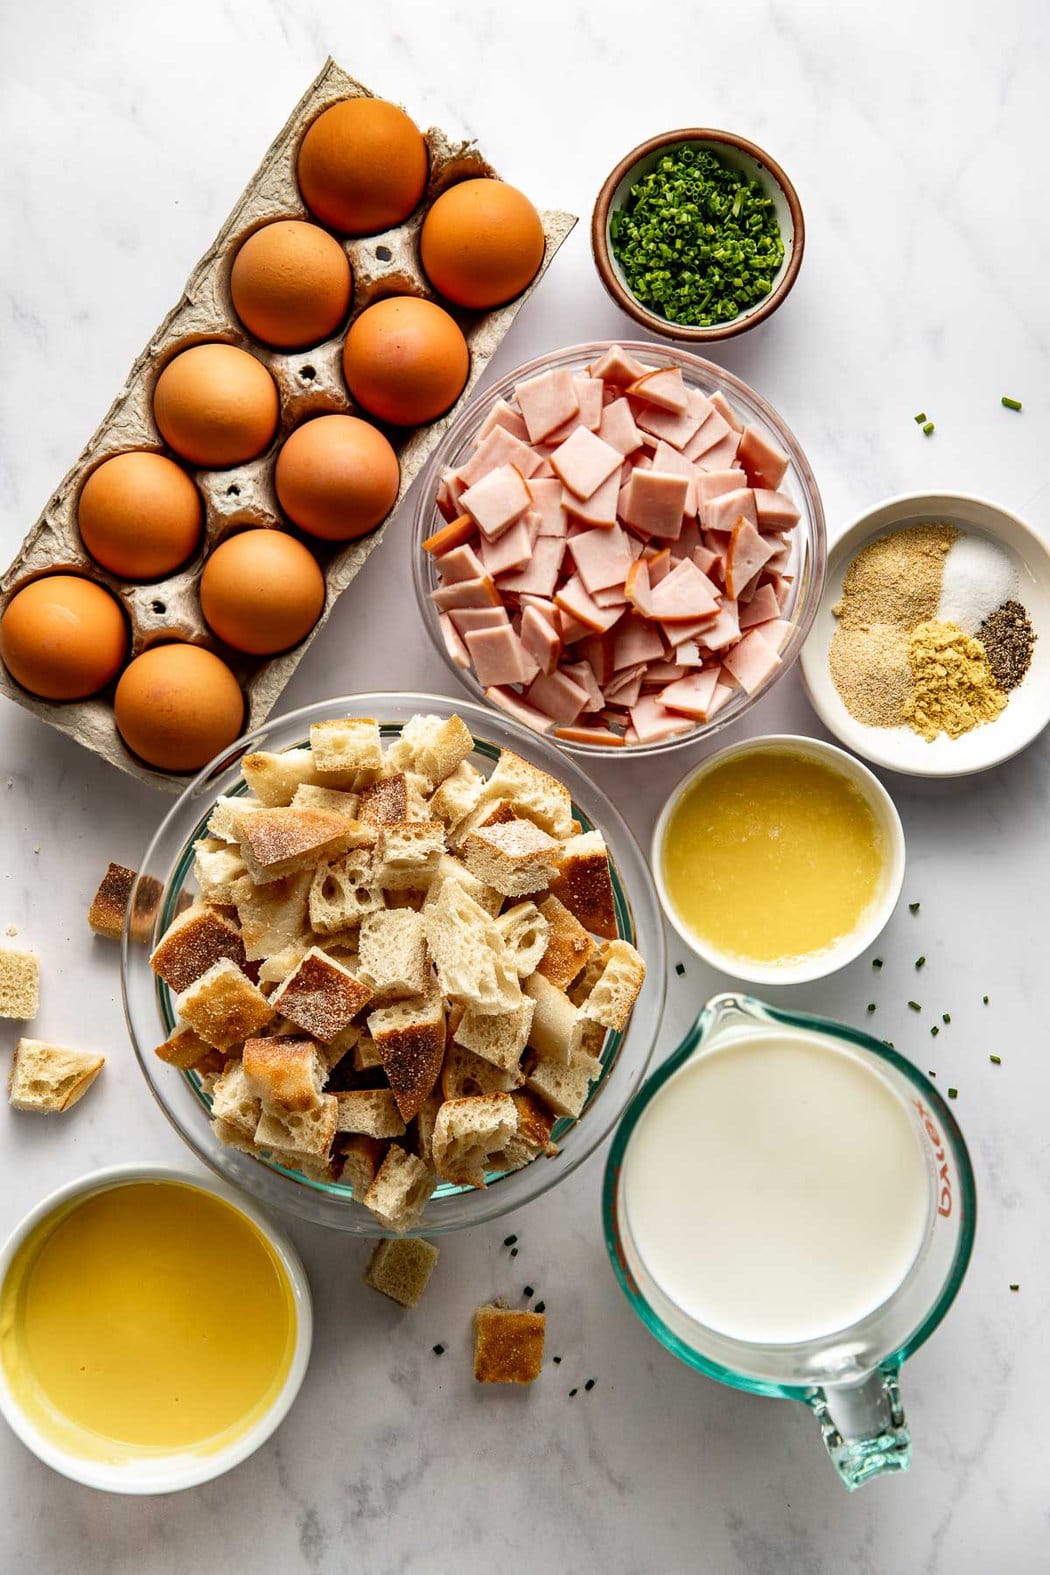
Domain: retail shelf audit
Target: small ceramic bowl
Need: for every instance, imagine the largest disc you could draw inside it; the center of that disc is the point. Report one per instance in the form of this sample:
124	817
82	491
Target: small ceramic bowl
816	965
1028	706
740	154
149	1472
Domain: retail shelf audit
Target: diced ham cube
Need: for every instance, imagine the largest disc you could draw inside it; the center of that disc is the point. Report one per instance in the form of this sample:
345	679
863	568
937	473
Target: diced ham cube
661	673
723	512
571	629
762	606
497	500
723	630
776	631
557	696
546	402
503	415
726	411
745	555
464	619
573	599
637	587
611	596
711	431
603	736
751	661
540	639
766	465
500	447
589	392
540	574
601	557
514	706
660	565
583	673
547	494
693	695
597	651
511	549
705	559
653	723
775	510
499	657
466	593
669	459
454	642
655	502
626	687
600	508
712	484
618	427
583	462
462	563
722	455
664	387
636	640
676	427
684	595
457	533
618	367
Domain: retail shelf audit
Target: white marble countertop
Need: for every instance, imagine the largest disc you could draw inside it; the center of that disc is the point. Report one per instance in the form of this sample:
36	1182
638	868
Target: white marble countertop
912	135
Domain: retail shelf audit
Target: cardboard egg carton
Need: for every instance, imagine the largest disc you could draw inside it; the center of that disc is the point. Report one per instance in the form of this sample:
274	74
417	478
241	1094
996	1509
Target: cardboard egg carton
310	382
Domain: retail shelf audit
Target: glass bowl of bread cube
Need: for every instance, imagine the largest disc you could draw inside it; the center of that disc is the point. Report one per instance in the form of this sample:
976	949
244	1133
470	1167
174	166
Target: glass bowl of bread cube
406	968
621	545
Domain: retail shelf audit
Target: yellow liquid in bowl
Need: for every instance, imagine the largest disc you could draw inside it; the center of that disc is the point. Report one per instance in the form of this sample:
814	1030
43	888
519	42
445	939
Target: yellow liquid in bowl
772	856
146	1319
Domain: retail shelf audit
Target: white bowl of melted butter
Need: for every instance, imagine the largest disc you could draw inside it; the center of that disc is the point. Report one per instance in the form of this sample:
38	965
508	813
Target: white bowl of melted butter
779	859
155	1329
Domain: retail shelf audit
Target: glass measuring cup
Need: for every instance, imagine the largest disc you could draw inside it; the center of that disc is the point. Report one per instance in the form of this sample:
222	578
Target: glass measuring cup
849	1377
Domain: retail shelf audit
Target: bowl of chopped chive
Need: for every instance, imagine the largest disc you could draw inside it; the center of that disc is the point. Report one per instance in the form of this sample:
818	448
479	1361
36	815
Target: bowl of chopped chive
698	235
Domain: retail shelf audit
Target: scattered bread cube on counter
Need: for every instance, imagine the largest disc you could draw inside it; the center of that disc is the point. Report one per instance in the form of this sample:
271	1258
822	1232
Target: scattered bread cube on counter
19	984
400	1267
50	1078
508	1345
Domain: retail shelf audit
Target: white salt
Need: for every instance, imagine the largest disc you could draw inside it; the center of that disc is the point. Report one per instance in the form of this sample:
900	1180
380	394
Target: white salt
979	576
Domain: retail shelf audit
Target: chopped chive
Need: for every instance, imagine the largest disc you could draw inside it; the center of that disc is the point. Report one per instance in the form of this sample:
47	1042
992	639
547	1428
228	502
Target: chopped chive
946	1017
871	1006
1010	404
439	1350
890	1043
1015	1287
913	907
514	1252
984	998
915	1007
876	962
953	1093
920	418
934	1031
589	1385
573	1393
508	1241
528	1291
556	1360
996	1060
928	428
920	962
541	1307
679	969
931	1073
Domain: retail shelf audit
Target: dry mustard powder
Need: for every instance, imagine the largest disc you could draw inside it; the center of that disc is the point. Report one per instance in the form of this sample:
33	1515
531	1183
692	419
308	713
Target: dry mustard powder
953	689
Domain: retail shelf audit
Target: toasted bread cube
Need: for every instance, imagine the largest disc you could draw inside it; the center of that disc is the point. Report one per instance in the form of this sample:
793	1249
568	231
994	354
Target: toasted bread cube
49	1078
498	1038
467	1132
532	1138
410	1038
464	1074
450	869
299	1131
433	746
399	1194
364	1055
417	797
321	997
361	1159
342	893
584	885
110	904
401	1268
469	954
556	1032
532	792
284	1072
592	972
195	942
274	916
276	842
516	857
315	1167
223	1006
186	1050
425	1122
232	1136
568	945
385	803
393	953
508	1345
332	801
220	821
612	998
525	934
457	795
371	1112
565	1088
19	984
235	1104
408	855
275	779
275	969
344	1044
342	750
218	868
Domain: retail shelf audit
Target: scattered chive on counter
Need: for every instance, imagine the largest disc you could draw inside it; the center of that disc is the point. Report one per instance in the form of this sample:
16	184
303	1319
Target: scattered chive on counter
920	418
697	242
920	962
915	1007
1010	404
996	1060
928	428
913	907
953	1093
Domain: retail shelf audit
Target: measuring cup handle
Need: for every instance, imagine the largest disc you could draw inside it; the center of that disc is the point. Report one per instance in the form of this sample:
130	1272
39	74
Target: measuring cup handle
864	1427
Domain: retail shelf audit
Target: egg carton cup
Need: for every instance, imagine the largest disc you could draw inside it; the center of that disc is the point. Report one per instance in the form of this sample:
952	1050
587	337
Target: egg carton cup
310	383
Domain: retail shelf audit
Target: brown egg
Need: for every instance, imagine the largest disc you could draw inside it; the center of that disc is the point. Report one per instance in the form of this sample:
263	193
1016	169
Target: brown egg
481	243
405	360
216	405
291	284
337	477
262	591
177	706
63	638
140	515
362	166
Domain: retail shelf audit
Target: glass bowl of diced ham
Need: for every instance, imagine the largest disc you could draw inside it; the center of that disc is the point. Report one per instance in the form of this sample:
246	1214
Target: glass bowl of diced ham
620	545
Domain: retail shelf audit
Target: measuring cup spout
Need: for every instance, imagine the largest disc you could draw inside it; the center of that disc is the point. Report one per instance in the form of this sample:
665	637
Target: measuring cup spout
864	1427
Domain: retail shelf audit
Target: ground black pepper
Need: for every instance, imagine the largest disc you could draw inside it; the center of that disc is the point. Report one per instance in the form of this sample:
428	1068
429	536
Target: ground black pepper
1008	639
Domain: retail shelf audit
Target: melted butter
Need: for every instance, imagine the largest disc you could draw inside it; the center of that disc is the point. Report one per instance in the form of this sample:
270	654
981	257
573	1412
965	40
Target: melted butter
147	1318
772	856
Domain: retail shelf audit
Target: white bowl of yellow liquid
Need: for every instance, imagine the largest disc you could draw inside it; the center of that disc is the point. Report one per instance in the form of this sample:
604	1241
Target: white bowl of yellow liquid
779	859
154	1329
